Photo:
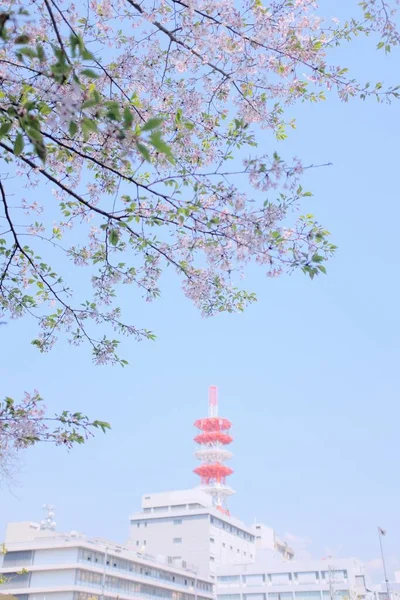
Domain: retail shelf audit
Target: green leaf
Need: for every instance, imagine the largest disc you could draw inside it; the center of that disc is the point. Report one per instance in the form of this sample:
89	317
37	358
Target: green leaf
128	118
18	144
113	236
152	124
86	55
73	128
5	128
34	134
143	151
317	258
27	52
41	151
160	145
89	125
90	73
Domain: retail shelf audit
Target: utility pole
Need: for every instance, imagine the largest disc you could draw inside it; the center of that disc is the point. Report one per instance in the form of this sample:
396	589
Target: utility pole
331	588
381	533
103	581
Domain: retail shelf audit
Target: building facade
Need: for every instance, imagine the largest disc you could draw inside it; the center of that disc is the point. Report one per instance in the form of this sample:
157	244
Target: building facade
185	526
270	578
46	565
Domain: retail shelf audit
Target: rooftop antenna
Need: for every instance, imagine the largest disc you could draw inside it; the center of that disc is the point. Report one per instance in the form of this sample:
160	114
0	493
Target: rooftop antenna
48	523
212	451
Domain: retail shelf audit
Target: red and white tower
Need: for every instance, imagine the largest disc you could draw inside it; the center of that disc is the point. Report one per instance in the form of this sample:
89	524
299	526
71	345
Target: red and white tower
213	439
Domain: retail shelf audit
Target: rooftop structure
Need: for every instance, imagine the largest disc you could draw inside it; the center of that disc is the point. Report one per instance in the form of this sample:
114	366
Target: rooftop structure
212	452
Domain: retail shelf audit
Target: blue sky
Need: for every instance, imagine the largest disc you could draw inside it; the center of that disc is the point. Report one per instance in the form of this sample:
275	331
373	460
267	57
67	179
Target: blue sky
308	375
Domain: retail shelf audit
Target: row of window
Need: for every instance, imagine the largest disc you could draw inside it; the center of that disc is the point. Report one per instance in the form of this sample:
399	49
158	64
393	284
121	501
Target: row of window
237	549
20	558
176	520
127	587
86	555
231	528
173	508
15	579
283	578
304	595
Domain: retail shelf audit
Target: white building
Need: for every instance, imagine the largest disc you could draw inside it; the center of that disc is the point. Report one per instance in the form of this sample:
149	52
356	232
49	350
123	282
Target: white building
47	565
271	578
266	539
184	525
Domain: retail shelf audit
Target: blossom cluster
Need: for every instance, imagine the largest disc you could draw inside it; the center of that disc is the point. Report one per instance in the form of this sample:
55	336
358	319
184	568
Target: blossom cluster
148	129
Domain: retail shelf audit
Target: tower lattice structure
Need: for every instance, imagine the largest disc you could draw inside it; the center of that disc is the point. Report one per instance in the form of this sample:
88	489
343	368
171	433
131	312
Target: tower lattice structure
212	451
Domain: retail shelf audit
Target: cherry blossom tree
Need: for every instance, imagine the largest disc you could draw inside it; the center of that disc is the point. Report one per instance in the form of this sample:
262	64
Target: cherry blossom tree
131	141
25	423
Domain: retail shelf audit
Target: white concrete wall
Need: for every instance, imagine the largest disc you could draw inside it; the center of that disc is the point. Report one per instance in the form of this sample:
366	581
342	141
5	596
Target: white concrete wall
205	543
52	596
156	536
51	556
21	532
50	579
265	536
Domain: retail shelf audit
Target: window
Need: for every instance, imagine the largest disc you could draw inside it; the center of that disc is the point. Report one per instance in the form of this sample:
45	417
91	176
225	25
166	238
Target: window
177	521
18	559
223	545
88	577
307	595
254	579
17	580
137	542
144	543
306	577
334	575
212	540
227	579
147	497
212	558
258	537
177	507
177	540
138	524
279	578
280	596
145	523
254	596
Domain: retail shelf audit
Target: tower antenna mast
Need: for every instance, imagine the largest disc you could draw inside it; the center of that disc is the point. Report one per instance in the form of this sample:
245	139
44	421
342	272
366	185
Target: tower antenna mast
212	451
